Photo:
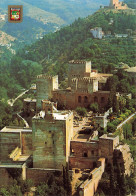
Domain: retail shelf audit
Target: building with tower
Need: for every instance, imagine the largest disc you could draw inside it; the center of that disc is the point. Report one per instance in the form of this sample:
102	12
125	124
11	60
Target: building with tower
85	86
115	4
52	132
44	86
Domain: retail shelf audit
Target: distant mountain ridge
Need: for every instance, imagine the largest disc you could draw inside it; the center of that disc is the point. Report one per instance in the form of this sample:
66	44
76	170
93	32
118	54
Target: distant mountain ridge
66	10
44	16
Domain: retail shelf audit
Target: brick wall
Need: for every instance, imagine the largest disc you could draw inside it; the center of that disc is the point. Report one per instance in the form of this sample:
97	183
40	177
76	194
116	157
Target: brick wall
71	99
40	175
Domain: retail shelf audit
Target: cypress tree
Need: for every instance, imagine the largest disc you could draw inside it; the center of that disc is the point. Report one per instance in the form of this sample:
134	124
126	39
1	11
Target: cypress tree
118	179
112	180
123	185
115	105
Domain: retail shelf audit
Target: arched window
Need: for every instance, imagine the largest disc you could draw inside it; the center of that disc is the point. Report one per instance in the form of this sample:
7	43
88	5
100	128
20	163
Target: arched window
85	99
85	154
102	99
95	99
79	99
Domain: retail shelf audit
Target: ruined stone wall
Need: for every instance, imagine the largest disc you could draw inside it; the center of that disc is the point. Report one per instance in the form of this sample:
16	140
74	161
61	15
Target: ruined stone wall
26	143
39	175
8	142
49	143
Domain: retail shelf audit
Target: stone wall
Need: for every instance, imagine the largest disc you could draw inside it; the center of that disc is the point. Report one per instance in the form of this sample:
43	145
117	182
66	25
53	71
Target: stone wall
40	175
89	149
51	142
84	155
45	85
78	69
65	97
124	157
89	187
82	162
8	142
26	143
107	144
84	85
71	100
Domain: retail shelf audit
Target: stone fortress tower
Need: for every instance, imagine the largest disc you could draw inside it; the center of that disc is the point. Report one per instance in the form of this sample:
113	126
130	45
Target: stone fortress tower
80	77
52	132
45	85
115	4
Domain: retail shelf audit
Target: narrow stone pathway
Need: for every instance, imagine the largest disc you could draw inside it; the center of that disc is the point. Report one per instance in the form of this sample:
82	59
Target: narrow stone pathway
26	124
124	122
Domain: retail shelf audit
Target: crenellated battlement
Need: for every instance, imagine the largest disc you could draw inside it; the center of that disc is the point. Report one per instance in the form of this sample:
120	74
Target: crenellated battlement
44	76
83	79
77	62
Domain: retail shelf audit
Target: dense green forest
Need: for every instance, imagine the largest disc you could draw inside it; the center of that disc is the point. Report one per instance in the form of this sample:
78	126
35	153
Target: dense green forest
52	53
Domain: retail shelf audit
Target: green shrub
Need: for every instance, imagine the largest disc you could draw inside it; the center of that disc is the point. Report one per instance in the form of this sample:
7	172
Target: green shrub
123	116
116	122
120	119
126	114
133	110
94	107
111	127
129	111
81	111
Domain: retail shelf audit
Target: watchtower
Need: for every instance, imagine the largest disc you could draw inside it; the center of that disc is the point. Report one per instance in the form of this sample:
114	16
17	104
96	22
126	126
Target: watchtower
44	86
52	132
113	3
